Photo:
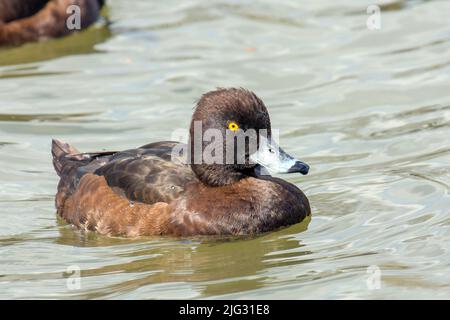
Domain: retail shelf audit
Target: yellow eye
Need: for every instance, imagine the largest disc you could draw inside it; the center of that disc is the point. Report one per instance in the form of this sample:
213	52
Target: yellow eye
233	126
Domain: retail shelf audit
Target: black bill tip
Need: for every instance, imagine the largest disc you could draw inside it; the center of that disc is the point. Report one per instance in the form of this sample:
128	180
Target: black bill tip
299	166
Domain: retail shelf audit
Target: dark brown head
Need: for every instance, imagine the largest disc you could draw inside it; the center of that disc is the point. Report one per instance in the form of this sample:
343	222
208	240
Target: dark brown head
230	134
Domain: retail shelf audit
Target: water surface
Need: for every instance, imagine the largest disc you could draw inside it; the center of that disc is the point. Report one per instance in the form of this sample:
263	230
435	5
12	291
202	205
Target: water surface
369	110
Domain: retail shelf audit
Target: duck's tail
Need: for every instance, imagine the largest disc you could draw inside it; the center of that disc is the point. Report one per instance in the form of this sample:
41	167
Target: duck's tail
66	161
71	165
61	153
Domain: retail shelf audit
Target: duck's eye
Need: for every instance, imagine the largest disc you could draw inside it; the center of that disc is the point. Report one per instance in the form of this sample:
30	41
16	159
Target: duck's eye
233	126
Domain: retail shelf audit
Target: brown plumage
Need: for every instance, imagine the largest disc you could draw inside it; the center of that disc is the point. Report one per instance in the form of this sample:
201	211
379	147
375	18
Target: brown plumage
145	191
33	20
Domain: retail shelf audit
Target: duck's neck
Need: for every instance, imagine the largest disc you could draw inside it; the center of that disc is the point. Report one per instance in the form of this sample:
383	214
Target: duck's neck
216	175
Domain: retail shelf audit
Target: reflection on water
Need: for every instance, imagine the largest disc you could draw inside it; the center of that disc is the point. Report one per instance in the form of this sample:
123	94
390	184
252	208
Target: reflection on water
369	110
80	43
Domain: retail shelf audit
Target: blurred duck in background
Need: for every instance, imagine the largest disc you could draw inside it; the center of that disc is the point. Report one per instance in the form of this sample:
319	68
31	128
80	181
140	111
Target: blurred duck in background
24	21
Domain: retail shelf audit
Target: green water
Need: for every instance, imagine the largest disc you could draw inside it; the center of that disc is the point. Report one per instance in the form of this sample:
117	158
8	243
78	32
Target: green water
369	110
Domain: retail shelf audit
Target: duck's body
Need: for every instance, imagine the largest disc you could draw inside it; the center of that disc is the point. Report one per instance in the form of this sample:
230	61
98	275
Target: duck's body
145	191
33	20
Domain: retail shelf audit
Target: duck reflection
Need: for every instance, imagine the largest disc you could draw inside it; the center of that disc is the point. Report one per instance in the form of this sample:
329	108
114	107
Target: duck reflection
213	265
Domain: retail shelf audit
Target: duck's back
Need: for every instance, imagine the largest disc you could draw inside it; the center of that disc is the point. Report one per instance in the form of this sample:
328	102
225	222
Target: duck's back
18	9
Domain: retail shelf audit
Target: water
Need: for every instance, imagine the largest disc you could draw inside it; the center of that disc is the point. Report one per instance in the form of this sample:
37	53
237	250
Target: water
369	110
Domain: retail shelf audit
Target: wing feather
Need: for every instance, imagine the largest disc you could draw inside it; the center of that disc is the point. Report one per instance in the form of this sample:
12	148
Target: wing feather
146	174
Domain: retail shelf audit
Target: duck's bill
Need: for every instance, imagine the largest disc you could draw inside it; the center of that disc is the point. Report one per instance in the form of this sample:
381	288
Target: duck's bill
276	160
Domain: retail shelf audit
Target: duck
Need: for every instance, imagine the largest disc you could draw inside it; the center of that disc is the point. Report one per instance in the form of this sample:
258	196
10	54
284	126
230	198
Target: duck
24	21
169	188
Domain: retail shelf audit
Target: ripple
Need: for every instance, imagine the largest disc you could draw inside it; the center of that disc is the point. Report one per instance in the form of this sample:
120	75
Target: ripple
44	117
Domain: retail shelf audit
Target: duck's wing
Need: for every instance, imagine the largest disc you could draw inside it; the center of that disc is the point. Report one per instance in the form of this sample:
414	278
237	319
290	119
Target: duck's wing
148	174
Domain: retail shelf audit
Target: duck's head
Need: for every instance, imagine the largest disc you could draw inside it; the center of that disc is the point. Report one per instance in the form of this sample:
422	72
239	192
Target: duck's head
231	138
